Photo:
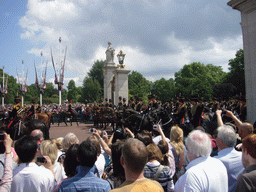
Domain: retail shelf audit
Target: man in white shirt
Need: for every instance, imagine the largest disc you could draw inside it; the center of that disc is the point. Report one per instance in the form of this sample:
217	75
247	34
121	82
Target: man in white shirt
231	158
28	176
204	173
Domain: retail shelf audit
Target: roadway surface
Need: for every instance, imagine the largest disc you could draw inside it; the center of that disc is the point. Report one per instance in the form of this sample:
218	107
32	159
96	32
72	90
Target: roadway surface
81	131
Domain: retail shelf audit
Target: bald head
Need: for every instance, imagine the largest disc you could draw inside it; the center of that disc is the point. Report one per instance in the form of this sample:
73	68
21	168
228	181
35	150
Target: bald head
38	135
245	129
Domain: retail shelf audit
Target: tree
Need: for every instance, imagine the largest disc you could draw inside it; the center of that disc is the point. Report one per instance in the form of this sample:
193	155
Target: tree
91	90
164	89
236	76
138	85
198	79
72	91
13	90
224	91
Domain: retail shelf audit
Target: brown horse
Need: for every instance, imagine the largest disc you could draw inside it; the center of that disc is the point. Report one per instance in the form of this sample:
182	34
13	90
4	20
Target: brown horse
45	117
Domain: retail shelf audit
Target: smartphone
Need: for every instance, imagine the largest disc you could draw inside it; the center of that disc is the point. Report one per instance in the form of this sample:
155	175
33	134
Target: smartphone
40	160
1	136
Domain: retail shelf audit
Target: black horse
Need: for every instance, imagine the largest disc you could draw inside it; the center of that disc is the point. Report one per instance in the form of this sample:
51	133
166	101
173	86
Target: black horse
67	117
25	128
138	122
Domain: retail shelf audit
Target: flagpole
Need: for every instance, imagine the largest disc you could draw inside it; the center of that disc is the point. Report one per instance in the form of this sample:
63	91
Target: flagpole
3	89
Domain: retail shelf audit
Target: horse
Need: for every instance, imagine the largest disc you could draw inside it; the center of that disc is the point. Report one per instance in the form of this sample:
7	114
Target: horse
25	128
138	122
64	116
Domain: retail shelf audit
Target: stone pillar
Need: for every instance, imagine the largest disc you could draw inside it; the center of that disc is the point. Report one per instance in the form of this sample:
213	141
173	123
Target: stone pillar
108	70
121	77
248	24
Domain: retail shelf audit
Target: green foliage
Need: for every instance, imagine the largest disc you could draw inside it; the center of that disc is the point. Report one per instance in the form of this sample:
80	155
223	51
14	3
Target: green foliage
138	85
164	89
91	90
236	76
96	72
72	91
198	79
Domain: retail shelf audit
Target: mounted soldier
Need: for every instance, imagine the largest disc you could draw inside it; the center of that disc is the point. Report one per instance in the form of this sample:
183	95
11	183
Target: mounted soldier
106	104
31	111
139	104
101	103
120	103
110	103
13	115
181	112
132	104
39	108
124	104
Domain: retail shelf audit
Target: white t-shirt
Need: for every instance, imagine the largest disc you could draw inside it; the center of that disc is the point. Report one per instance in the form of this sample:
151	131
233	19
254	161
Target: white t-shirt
100	164
29	177
59	172
204	174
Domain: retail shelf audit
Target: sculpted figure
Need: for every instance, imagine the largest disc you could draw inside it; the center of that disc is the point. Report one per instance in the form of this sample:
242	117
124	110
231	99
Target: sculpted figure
110	53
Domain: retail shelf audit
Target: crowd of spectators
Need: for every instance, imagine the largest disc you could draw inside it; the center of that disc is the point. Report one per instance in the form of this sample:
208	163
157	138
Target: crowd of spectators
125	161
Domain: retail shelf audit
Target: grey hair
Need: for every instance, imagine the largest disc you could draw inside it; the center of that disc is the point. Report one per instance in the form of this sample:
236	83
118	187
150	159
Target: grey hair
198	143
69	140
228	135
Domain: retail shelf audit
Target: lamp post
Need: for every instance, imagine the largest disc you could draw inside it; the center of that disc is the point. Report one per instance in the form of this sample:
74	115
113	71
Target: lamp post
121	57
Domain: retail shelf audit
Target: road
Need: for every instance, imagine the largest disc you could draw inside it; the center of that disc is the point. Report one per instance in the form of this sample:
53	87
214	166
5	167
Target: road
81	131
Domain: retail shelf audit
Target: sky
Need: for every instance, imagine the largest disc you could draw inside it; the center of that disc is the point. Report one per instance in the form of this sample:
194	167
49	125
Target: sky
158	36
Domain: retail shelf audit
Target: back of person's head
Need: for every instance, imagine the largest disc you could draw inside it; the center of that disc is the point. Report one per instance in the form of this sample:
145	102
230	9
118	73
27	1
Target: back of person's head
69	140
95	142
87	153
49	148
164	147
70	161
59	142
247	129
249	144
176	134
116	152
37	134
135	155
119	134
26	148
145	136
228	135
154	153
198	143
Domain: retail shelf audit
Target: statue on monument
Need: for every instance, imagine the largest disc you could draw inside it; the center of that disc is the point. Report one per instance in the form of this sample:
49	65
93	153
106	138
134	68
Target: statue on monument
110	53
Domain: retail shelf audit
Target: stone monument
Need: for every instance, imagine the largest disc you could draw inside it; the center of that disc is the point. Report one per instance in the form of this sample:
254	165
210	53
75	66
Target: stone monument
248	24
115	78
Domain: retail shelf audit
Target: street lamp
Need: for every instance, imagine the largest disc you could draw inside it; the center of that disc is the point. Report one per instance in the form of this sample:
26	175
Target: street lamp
120	57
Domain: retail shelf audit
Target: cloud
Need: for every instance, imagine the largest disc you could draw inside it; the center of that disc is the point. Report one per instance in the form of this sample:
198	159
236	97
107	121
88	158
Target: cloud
158	37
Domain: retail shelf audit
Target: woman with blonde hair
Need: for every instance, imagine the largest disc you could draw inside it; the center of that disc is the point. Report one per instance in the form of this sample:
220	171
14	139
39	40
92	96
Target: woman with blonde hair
49	148
178	148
